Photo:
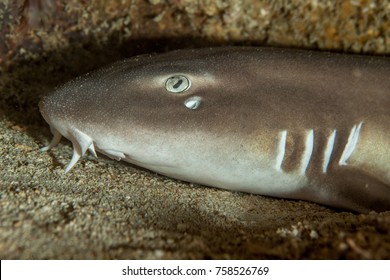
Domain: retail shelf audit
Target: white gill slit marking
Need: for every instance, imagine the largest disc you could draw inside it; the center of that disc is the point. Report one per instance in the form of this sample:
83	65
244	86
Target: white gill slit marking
351	144
281	150
328	151
306	156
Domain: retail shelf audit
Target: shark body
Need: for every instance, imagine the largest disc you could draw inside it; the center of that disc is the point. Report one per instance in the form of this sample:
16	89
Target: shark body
280	122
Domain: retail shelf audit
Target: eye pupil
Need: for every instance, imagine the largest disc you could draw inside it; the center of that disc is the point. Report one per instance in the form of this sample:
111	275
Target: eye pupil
177	84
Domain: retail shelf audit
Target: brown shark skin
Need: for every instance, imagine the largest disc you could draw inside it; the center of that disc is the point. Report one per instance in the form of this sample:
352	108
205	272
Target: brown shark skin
249	95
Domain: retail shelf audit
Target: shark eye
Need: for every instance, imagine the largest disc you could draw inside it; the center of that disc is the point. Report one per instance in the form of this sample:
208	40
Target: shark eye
177	84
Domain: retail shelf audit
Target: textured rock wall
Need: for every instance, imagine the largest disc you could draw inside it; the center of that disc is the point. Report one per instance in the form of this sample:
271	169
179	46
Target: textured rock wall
30	28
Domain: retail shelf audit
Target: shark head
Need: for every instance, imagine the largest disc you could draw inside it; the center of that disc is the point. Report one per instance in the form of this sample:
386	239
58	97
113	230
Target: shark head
156	111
